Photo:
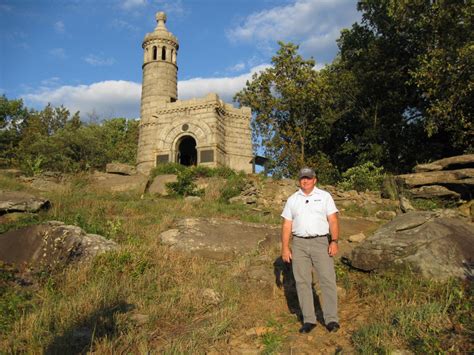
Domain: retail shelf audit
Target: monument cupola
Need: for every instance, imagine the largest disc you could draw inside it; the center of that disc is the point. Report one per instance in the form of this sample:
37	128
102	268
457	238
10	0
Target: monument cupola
160	70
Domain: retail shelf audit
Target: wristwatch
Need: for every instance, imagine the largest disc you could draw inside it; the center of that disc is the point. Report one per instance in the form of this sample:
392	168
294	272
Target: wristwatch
335	241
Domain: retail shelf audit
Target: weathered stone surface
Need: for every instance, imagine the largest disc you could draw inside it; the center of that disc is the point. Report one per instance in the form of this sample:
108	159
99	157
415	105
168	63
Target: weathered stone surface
16	201
218	239
193	199
436	247
357	238
120	183
50	246
158	186
434	191
456	162
121	169
452	177
385	214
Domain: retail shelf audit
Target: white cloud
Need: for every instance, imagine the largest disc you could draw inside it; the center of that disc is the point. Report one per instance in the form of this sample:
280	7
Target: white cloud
131	4
106	98
314	24
59	27
237	67
123	25
225	87
98	61
58	53
53	81
119	98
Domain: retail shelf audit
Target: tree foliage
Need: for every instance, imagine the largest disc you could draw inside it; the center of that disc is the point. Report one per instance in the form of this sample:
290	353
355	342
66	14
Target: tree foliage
285	99
53	139
400	92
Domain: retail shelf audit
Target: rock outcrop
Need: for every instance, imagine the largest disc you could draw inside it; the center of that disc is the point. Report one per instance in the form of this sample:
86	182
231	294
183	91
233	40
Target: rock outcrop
218	239
119	183
158	185
431	244
121	169
50	246
16	201
450	178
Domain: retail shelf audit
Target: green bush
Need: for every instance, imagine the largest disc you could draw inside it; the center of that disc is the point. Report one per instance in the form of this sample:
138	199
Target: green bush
233	187
185	186
362	177
167	168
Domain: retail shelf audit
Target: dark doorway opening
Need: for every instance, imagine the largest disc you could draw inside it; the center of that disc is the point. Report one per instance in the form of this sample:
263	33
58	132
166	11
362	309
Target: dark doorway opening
187	153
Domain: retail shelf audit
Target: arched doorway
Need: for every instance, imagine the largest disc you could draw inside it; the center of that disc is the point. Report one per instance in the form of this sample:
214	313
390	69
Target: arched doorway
187	153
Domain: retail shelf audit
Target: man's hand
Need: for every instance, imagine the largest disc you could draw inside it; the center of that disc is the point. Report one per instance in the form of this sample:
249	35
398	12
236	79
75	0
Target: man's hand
333	249
286	255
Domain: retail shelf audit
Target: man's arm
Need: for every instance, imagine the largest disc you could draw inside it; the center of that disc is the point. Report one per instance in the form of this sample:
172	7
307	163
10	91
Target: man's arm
285	240
334	230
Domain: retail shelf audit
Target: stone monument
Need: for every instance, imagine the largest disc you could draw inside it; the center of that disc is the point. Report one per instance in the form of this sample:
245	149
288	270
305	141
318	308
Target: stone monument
204	131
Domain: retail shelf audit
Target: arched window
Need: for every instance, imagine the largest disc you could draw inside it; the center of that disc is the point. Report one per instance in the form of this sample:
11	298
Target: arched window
163	53
155	52
172	56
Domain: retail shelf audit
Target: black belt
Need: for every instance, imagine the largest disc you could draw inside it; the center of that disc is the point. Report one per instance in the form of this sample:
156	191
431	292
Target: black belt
312	236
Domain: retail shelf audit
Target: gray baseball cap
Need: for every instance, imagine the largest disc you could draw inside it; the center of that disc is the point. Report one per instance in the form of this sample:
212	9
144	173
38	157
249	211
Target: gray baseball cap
306	172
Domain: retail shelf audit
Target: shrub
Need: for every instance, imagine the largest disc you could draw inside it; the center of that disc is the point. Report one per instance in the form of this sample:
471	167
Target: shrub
233	187
362	177
167	168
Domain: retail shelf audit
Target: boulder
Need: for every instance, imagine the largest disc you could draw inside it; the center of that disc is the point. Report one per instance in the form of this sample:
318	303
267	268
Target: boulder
119	183
16	201
456	162
50	246
121	169
158	185
434	191
218	239
451	177
432	245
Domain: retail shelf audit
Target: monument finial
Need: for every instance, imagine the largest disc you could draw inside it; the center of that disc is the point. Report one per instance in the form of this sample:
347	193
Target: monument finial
161	19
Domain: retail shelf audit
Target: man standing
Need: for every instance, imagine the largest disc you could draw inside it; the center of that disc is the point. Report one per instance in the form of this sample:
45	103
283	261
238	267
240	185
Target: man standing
311	216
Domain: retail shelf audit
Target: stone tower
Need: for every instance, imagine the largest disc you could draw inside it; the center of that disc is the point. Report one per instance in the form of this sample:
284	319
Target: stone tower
203	131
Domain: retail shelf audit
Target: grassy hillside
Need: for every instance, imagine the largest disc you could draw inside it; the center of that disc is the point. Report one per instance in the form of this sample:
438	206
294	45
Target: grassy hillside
147	298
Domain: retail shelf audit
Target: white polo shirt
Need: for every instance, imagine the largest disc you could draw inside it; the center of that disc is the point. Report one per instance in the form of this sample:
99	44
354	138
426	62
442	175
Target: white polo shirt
309	213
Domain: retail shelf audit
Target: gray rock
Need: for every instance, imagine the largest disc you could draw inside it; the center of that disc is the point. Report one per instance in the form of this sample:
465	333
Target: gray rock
120	183
51	246
434	191
460	161
158	186
218	239
357	238
435	247
16	201
193	199
385	214
405	205
121	169
452	177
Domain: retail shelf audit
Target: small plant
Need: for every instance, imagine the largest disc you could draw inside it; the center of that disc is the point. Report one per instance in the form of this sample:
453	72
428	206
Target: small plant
362	177
167	168
32	165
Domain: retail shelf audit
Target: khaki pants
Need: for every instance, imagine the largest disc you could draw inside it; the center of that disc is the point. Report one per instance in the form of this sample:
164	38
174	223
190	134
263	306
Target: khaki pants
306	254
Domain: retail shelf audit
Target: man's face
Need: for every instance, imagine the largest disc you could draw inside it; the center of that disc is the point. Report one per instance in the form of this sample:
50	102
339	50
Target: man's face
307	184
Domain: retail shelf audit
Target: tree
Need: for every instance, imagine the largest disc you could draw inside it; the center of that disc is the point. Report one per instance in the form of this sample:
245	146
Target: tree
285	103
12	114
408	105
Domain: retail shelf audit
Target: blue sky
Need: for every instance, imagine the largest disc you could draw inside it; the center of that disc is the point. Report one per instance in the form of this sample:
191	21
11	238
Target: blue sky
87	55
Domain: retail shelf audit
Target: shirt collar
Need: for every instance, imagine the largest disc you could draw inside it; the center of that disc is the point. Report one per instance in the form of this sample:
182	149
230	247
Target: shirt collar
315	191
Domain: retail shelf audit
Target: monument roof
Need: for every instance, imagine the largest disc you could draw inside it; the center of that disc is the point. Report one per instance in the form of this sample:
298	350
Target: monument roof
161	32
